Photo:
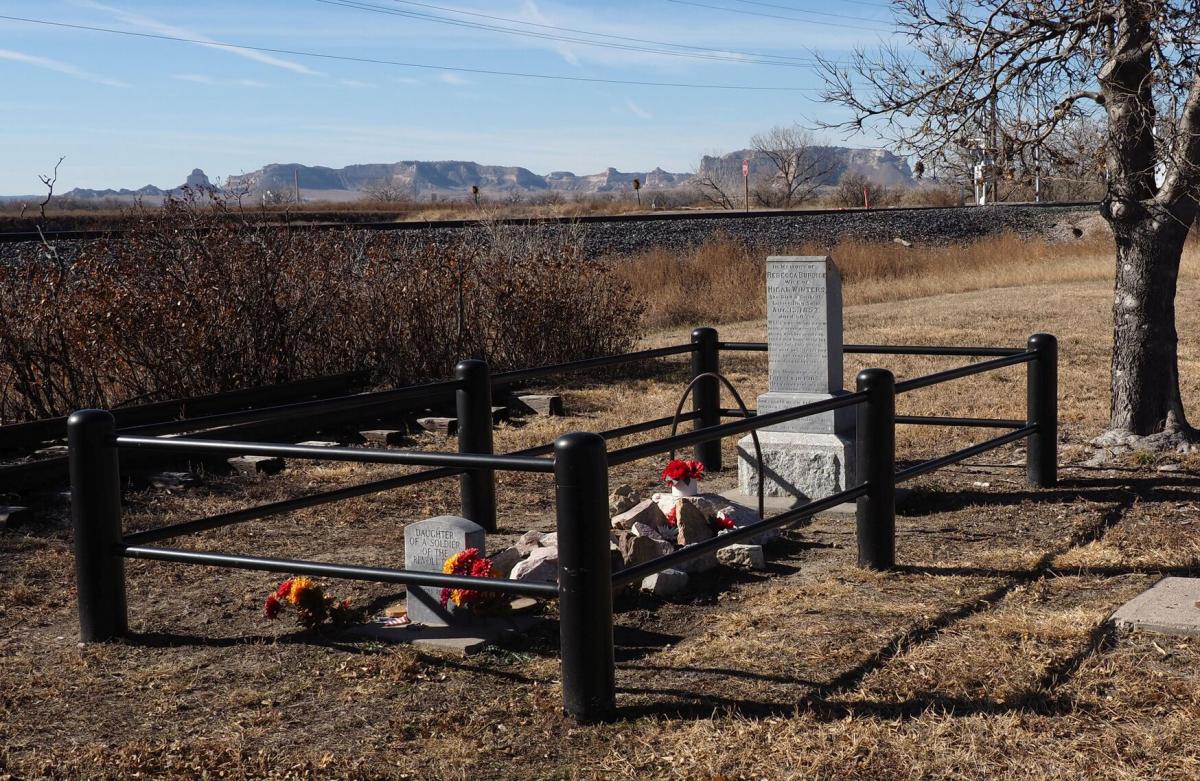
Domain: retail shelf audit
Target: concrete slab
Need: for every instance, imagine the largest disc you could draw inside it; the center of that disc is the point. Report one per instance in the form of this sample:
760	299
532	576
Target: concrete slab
459	640
774	505
1169	607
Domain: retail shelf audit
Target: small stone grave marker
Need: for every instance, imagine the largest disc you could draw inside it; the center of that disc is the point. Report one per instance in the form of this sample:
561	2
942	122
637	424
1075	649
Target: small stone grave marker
427	545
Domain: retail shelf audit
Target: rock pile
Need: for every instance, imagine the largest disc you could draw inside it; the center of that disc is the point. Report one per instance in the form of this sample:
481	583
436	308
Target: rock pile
644	530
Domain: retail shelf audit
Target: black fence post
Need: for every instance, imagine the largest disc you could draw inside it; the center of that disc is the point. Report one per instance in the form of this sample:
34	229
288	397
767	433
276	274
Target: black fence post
706	396
96	517
584	577
1041	459
474	402
875	456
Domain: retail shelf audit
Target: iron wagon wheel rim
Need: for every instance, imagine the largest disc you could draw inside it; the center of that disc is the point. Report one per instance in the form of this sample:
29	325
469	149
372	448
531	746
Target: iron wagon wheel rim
745	412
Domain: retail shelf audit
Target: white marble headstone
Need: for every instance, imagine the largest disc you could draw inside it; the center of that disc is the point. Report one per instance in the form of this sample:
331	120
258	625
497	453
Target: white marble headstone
804	342
811	457
427	545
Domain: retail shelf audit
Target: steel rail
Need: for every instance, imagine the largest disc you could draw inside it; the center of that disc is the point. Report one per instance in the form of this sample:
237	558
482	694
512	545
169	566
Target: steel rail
893	349
935	420
519	375
345	571
358	455
362	489
642	450
962	455
964	371
426	392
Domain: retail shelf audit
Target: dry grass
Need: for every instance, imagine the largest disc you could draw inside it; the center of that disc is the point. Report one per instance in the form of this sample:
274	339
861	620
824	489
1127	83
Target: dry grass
722	280
985	656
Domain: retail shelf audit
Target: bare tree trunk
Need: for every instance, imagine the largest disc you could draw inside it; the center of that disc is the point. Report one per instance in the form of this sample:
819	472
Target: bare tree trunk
1145	373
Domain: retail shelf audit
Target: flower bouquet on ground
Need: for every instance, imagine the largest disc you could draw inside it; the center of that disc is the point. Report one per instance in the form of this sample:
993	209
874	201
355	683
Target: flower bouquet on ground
684	477
472	563
313	607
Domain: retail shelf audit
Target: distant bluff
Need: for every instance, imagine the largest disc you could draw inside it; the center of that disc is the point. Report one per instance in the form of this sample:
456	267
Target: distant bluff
455	178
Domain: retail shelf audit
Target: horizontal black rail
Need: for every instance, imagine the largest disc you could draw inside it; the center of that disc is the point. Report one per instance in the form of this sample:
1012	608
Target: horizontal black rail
696	550
345	571
937	420
964	371
962	455
745	347
428	392
358	455
35	432
897	349
285	506
709	433
520	375
362	489
893	349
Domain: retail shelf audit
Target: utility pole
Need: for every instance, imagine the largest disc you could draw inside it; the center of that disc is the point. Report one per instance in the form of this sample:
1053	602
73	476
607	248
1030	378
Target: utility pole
296	182
746	176
1037	148
994	141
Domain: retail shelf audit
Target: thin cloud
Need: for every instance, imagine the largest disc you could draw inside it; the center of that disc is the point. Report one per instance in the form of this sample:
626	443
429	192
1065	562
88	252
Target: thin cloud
200	78
531	11
59	66
637	110
453	78
355	83
161	28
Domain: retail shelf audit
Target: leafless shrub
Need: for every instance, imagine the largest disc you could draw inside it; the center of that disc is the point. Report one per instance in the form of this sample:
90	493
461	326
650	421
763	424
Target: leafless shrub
197	298
854	189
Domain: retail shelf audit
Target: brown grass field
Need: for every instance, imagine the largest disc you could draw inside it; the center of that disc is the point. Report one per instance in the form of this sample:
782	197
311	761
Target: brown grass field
985	655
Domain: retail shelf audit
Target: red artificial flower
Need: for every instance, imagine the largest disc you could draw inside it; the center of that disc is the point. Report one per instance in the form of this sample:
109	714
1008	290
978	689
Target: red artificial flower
272	607
724	522
679	471
671	520
284	589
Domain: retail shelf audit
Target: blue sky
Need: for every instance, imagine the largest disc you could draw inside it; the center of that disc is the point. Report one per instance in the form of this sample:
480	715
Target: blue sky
128	111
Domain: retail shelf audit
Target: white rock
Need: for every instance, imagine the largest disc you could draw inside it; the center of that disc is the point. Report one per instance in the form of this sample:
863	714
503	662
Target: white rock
530	541
647	512
744	556
667	583
549	540
541	566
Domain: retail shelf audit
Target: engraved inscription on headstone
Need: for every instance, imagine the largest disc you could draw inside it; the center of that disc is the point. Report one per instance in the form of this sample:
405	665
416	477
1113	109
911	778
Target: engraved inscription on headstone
804	342
804	325
427	545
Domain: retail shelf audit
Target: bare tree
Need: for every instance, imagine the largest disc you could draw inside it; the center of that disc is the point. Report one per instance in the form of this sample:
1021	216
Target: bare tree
796	168
384	191
1028	66
855	189
718	180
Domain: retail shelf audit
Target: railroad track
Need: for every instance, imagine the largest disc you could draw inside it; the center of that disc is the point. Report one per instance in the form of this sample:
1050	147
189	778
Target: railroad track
315	221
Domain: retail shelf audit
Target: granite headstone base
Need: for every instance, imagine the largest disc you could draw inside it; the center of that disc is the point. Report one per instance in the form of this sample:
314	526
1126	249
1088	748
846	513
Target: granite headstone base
806	466
838	421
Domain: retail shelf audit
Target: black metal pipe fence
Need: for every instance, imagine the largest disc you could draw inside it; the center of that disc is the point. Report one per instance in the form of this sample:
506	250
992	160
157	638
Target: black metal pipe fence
580	464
